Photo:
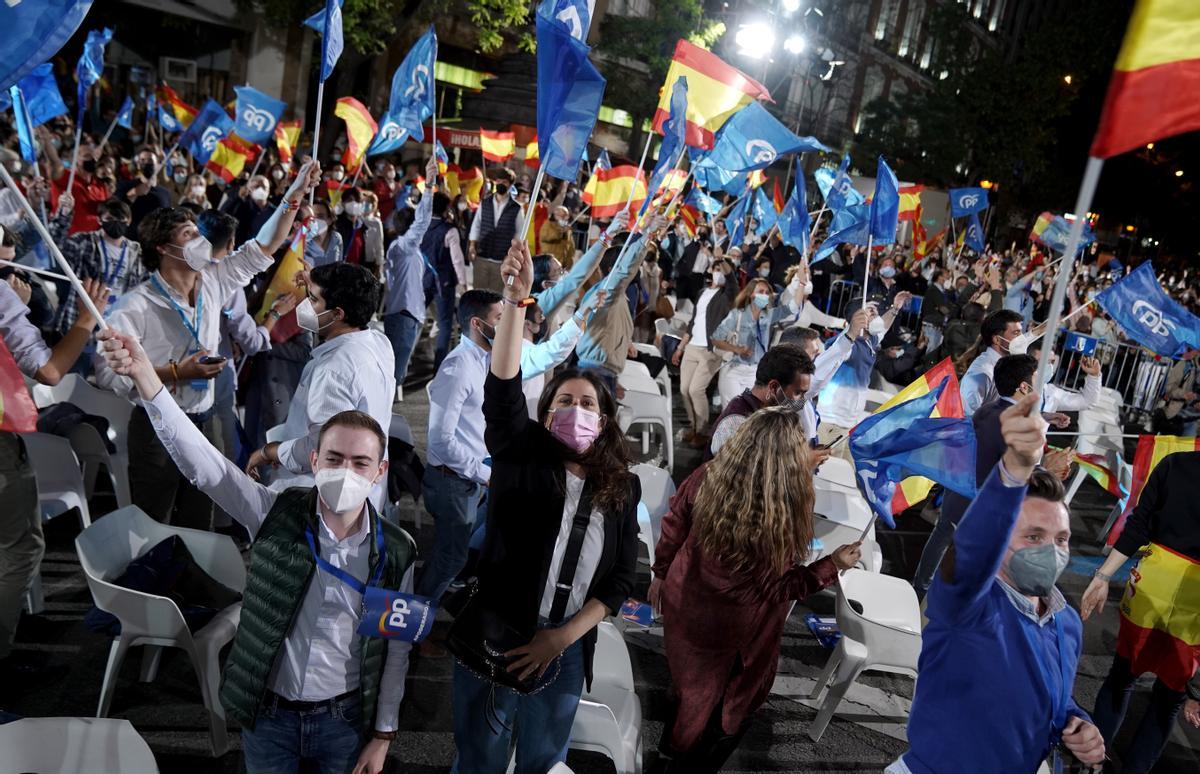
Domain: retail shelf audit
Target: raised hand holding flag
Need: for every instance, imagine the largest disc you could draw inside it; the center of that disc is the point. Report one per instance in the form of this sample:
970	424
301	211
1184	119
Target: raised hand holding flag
89	70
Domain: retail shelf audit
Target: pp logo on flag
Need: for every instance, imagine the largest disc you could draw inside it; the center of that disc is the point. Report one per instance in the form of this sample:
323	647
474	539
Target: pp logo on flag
258	119
212	135
761	151
420	78
396	615
967	201
390	131
1152	318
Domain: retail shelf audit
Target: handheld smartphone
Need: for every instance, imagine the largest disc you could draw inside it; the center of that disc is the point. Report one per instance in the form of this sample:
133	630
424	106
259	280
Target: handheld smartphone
211	360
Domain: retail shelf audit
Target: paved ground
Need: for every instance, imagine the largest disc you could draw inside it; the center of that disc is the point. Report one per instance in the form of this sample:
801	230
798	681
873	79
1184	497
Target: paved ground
865	735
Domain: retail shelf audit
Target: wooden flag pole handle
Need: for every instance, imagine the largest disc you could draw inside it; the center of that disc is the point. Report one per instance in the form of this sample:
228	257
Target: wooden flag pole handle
58	256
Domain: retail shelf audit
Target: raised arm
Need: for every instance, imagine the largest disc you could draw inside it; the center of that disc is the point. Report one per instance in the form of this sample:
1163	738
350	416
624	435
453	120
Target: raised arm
550	299
275	231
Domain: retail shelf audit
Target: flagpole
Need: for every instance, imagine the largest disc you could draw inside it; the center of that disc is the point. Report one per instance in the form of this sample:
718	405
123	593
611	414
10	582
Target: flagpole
75	155
867	269
32	270
317	131
642	163
257	161
522	232
1083	203
108	133
58	256
816	222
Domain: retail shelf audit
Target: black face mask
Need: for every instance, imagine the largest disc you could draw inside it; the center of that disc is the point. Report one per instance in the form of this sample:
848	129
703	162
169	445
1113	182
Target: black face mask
113	229
502	190
89	166
146	169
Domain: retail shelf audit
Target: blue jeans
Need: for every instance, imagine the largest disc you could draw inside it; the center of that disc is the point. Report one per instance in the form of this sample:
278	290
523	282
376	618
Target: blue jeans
452	502
403	330
281	738
1155	727
445	321
541	722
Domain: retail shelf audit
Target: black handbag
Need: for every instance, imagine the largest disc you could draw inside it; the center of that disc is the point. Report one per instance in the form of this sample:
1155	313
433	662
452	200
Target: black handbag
479	637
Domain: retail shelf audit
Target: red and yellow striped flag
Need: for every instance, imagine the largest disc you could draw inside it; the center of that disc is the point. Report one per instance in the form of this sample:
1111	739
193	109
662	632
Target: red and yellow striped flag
1152	93
672	184
689	216
497	146
531	154
1151	450
777	199
287	136
360	129
1097	466
183	112
608	190
1160	617
914	489
910	201
333	192
470	182
715	92
283	281
228	159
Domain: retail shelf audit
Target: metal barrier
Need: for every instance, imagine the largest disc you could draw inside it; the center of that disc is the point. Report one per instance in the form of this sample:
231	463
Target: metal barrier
841	292
1138	375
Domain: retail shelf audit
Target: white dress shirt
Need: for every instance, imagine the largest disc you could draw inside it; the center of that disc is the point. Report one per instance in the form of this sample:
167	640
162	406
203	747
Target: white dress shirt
353	371
321	653
24	341
825	366
977	387
537	359
1057	399
499	204
456	412
147	315
589	554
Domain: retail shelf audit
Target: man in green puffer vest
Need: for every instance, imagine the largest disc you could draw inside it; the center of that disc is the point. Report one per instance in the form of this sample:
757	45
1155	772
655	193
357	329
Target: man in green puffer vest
299	679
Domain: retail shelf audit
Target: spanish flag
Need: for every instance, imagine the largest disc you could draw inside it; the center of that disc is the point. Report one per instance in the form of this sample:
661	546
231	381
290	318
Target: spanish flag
497	146
715	92
910	201
756	178
1160	617
914	489
283	281
1040	225
1152	93
689	216
450	180
1151	450
608	190
18	414
671	185
228	159
1098	467
925	245
777	200
287	136
470	182
360	130
531	154
183	112
439	153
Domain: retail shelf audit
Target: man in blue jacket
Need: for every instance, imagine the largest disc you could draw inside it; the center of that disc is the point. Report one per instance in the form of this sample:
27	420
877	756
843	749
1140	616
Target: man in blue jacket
998	655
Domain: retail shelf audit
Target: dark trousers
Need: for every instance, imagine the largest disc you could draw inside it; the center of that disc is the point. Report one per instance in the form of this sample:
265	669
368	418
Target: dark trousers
1156	724
155	483
445	322
21	541
710	753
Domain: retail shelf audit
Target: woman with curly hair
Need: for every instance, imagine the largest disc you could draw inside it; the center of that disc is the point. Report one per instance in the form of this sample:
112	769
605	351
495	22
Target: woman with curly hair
727	569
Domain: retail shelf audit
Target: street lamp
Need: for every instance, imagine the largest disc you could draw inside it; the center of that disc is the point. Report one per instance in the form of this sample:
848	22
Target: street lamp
1179	173
755	40
794	44
1067	79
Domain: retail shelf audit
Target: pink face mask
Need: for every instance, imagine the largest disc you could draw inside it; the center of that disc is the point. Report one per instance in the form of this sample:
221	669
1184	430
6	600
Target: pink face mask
576	427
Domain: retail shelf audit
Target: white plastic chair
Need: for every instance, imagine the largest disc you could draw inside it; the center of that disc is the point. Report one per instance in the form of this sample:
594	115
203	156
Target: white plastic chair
105	549
882	634
73	745
644	403
836	470
59	477
664	376
875	399
657	490
90	399
93	455
609	718
646	531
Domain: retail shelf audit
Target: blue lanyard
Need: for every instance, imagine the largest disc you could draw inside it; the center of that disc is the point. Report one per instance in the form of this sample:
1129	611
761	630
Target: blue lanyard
116	272
1060	702
758	333
192	327
341	574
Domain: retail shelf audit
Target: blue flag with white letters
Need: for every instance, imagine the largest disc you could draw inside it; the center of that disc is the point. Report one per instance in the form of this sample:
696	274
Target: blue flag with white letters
125	114
973	238
167	119
1148	315
412	96
91	64
794	221
850	225
34	32
569	92
754	139
328	18
42	98
389	136
905	441
257	114
1057	233
764	213
735	221
836	187
967	201
885	205
210	125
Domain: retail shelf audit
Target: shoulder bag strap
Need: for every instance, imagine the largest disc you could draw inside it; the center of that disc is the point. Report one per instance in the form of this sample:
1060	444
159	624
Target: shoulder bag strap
566	573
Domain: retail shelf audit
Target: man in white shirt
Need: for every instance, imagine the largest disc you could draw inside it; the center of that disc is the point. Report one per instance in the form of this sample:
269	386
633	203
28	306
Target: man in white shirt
492	231
176	315
998	330
299	679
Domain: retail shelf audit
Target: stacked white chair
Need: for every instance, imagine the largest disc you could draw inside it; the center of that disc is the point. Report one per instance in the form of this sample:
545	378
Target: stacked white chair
880	621
644	404
59	476
105	549
78	391
609	718
74	745
664	377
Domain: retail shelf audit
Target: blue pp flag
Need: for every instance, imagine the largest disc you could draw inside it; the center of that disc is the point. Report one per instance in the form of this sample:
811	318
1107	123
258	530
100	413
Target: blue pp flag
702	201
1148	315
674	131
125	114
603	161
396	615
570	90
973	238
211	124
905	441
328	19
966	201
885	205
42	98
257	114
24	127
91	63
574	15
764	213
735	221
389	136
836	187
850	225
753	139
713	178
167	120
34	32
1057	233
794	221
412	96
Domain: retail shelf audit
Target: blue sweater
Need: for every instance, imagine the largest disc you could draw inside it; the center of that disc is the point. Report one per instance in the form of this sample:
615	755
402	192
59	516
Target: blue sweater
982	703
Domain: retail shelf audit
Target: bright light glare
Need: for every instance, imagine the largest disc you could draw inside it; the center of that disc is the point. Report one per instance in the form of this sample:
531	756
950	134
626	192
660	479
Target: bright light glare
791	6
794	44
755	40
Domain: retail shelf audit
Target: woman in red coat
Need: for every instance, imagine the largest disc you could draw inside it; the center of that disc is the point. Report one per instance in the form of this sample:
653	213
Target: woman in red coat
727	569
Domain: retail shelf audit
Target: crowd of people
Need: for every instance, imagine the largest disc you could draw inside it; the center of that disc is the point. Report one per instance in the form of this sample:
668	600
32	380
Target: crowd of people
267	416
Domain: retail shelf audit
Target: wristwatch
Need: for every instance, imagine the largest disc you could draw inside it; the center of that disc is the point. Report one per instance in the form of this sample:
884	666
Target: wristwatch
1102	576
387	736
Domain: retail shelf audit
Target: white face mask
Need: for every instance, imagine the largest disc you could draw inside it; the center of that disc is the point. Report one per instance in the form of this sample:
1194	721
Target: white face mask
338	175
317	227
877	326
197	253
353	209
259	195
342	489
276	174
198	191
808	288
307	317
180	178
